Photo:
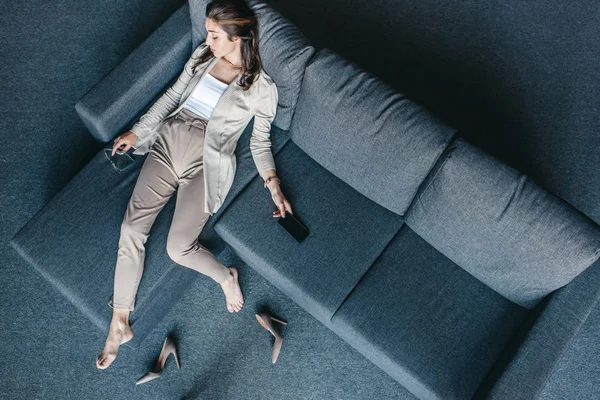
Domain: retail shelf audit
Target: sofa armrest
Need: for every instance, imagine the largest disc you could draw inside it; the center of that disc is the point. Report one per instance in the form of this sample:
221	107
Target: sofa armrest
112	105
536	355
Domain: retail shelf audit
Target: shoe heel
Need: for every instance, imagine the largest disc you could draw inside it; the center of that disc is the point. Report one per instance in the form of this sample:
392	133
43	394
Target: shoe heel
266	321
170	349
176	358
280	321
167	349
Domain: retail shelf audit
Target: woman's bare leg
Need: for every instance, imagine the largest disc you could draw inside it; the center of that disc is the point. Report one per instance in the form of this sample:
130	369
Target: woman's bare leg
233	293
119	333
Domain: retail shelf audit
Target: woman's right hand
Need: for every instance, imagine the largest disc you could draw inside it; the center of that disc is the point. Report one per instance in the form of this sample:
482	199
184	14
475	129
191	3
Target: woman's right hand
127	139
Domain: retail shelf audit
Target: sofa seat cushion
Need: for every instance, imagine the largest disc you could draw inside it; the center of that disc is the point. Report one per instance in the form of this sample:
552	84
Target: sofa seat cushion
425	321
284	52
73	241
373	138
493	221
347	233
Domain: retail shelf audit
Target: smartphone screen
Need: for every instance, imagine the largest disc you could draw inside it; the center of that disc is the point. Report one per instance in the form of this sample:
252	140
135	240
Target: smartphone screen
293	226
120	160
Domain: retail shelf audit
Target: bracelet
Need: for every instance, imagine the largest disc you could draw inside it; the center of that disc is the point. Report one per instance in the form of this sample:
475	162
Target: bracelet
272	177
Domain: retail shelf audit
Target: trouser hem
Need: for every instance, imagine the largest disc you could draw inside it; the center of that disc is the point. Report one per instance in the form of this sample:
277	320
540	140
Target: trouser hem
120	306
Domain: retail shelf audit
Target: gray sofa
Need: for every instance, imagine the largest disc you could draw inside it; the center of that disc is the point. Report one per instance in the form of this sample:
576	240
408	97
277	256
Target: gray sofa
454	273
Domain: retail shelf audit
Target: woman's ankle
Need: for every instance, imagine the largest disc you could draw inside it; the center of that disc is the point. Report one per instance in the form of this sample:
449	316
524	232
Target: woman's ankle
229	277
121	316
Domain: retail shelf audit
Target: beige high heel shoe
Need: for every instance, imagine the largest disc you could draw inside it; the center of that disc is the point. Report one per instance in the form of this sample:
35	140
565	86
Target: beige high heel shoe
168	348
267	322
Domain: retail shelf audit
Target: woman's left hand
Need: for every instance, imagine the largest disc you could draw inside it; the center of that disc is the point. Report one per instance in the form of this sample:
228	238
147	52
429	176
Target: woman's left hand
283	205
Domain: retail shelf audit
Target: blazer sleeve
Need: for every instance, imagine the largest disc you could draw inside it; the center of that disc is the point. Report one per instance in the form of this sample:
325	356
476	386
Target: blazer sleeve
169	101
260	143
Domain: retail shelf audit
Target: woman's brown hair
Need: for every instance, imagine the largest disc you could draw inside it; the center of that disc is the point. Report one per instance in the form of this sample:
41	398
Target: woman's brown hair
237	19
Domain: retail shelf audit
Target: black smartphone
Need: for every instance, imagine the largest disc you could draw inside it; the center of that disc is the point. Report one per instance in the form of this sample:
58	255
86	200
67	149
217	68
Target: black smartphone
293	226
121	160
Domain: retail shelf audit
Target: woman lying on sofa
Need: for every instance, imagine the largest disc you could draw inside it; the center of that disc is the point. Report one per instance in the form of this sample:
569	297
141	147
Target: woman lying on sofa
190	133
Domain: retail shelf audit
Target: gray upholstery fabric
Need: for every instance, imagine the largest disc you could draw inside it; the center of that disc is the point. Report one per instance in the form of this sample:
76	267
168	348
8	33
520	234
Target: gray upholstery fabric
514	236
284	52
198	18
425	321
116	102
373	138
73	241
89	212
559	323
347	233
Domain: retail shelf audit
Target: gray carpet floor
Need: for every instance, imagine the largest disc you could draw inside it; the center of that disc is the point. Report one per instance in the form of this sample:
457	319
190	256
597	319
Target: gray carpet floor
52	53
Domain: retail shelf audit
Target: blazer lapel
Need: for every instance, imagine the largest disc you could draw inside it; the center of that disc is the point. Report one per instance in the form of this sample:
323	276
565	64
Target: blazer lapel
217	122
215	163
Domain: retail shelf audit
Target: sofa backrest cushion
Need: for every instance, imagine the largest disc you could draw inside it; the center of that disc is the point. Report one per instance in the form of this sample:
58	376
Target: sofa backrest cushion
284	52
519	239
361	130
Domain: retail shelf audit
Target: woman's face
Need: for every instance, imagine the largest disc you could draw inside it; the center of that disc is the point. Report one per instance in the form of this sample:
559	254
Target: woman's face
217	39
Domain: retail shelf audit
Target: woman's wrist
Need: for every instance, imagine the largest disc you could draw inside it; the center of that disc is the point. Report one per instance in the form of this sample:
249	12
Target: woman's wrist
272	182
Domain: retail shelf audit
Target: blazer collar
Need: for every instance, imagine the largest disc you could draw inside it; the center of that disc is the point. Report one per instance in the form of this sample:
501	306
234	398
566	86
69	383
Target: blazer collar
196	78
230	96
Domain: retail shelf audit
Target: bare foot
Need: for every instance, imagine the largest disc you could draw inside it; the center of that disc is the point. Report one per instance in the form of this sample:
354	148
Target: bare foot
233	293
119	333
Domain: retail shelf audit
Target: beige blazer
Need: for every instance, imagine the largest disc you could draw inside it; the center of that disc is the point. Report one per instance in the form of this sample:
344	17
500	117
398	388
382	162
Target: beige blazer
231	115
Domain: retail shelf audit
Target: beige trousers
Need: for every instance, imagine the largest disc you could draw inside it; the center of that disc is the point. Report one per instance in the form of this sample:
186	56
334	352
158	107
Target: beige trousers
175	162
